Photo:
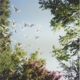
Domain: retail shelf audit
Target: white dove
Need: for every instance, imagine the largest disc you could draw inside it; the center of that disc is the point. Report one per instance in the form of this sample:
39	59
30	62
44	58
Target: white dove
37	30
22	28
36	37
13	23
19	45
27	37
15	9
38	25
30	46
31	25
25	24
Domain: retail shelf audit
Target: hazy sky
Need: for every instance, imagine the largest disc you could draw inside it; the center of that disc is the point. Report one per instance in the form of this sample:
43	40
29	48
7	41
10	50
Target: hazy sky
31	13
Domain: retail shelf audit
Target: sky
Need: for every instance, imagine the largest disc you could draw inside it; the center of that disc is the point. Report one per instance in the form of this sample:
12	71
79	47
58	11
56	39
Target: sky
31	14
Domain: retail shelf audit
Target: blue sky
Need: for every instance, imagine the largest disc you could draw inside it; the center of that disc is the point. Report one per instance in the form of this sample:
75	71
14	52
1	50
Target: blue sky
31	13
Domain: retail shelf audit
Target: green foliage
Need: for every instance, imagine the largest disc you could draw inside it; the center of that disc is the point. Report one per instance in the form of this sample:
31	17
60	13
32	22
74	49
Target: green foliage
4	15
71	33
5	50
4	61
60	54
33	69
9	62
17	57
63	11
66	15
34	56
68	51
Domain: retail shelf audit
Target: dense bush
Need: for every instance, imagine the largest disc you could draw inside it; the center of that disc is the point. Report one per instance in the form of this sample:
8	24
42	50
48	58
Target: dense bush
34	71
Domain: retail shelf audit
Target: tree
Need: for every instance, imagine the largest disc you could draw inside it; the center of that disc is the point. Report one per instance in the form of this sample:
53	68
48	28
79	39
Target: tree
9	59
64	11
4	23
66	15
4	36
11	63
33	69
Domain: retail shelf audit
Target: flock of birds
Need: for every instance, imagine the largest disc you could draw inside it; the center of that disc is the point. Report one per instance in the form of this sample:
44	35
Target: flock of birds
25	25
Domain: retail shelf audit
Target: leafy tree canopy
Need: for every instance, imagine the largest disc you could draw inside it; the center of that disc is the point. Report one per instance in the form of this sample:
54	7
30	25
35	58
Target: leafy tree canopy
66	15
64	11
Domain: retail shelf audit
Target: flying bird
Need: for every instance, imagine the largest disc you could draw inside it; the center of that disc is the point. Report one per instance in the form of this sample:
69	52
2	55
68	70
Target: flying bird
38	25
31	25
15	9
25	24
19	45
22	28
13	23
38	49
30	46
36	37
15	31
37	30
41	53
27	37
